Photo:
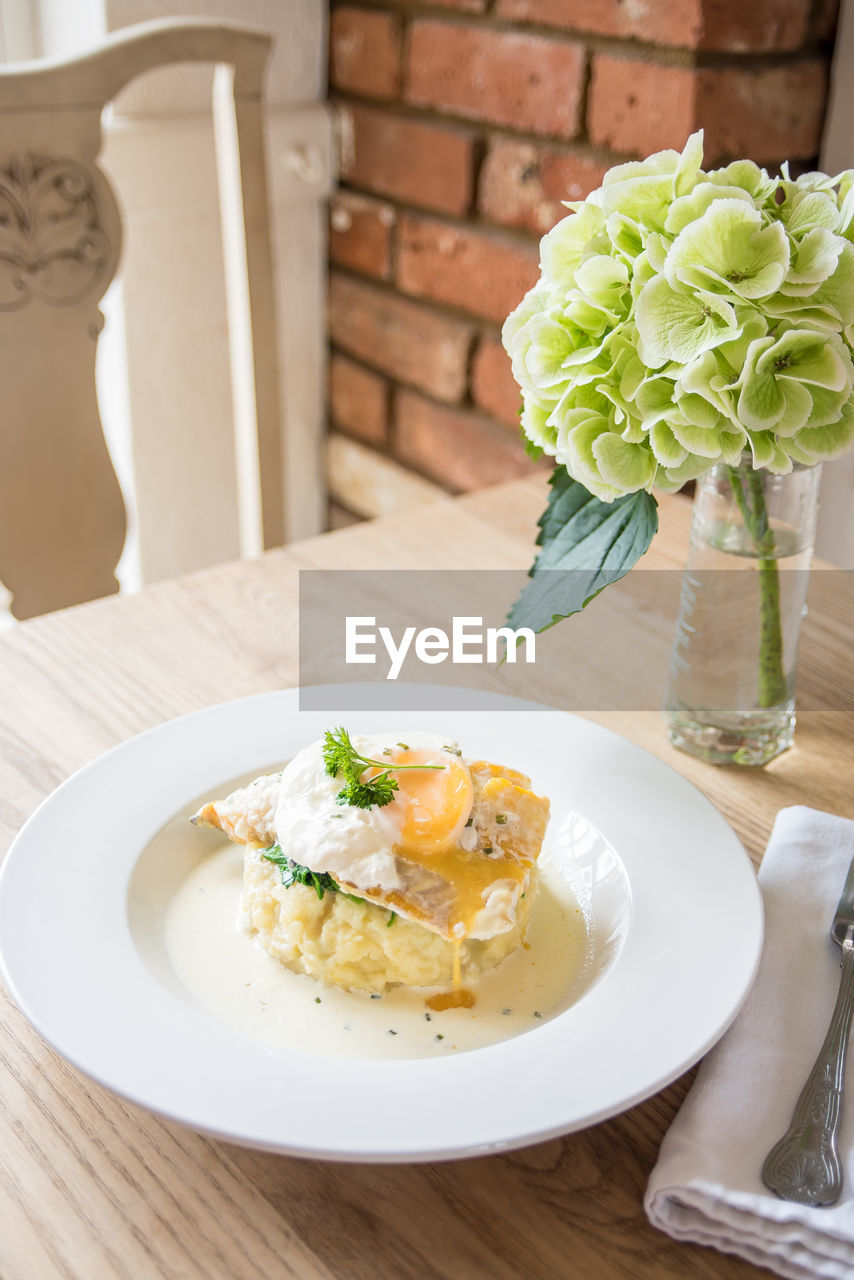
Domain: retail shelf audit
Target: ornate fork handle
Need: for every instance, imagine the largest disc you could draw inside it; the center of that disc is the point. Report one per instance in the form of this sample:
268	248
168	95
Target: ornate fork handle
804	1165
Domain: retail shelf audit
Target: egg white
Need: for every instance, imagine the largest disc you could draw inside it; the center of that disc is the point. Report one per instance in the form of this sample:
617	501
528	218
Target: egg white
354	846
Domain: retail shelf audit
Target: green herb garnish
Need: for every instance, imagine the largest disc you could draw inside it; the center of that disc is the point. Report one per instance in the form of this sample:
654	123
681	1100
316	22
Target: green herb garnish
293	873
391	920
343	760
501	819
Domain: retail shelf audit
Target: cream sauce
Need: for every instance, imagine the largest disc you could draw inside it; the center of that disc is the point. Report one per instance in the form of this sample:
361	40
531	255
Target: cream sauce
228	975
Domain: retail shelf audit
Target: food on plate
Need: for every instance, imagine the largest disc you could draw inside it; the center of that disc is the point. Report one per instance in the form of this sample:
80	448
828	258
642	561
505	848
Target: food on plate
373	861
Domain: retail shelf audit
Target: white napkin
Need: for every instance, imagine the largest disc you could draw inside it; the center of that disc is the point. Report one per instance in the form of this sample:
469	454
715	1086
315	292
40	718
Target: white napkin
706	1186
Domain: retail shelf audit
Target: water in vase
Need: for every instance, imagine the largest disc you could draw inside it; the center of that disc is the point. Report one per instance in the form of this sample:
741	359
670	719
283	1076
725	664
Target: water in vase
726	702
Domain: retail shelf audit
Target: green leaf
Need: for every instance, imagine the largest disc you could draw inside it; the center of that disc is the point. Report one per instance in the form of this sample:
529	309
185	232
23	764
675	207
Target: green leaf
586	545
293	873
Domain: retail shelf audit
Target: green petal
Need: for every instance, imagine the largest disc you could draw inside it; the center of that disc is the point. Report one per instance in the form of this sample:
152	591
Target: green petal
550	346
582	465
745	174
642	273
826	406
704	442
820	444
536	425
761	403
563	248
797	410
753	325
808	356
699	412
813	261
654	399
645	198
674	477
657	247
626	236
665	446
729	250
590	319
679	325
660	162
830	306
603	280
627	467
515	333
690	164
812	209
733	444
768	454
693	206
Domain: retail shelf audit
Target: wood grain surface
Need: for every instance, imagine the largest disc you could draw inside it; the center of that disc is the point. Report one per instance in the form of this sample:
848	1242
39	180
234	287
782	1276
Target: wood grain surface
91	1187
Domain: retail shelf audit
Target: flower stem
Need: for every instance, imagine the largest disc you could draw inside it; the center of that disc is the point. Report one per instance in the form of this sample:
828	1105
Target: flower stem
771	683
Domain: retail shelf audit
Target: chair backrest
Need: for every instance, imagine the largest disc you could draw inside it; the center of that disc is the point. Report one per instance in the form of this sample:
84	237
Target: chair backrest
62	516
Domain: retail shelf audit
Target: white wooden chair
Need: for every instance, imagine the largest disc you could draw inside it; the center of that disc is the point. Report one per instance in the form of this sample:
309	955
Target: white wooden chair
62	516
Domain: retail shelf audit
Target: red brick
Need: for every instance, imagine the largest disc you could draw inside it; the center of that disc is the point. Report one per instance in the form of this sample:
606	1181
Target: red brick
461	449
358	400
461	6
431	165
758	27
766	113
478	271
639	107
403	339
469	6
770	114
365	52
523	184
825	20
494	389
360	234
527	82
729	25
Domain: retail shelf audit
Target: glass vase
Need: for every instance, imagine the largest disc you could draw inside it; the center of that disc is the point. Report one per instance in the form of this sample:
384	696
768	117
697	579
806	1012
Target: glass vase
731	687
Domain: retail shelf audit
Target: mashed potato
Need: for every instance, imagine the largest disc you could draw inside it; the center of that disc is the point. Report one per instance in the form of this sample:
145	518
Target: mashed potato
351	944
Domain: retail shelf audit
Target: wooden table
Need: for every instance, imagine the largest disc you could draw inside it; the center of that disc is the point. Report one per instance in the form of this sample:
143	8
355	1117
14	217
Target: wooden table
92	1187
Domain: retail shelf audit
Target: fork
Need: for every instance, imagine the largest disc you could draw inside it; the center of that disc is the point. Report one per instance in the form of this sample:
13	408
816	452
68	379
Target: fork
804	1166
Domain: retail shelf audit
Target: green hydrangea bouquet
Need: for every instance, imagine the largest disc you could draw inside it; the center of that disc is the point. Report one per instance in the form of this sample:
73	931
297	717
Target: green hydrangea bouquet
682	317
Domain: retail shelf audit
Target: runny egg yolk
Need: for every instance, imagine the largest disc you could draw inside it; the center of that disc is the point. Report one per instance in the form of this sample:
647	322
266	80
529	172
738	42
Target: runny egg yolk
432	805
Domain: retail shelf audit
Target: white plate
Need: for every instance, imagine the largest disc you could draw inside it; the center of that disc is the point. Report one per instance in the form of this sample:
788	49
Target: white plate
673	970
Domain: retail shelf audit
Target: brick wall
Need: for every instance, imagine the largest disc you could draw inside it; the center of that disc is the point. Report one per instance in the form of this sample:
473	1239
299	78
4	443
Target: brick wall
463	125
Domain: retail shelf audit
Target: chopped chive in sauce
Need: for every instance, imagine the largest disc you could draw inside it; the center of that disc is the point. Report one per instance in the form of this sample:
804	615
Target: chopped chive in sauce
501	819
440	1037
470	822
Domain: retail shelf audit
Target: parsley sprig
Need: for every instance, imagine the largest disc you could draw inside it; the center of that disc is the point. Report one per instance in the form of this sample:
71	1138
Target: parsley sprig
343	760
293	873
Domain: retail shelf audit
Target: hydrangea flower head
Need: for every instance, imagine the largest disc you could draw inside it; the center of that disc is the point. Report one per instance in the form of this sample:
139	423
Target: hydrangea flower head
684	316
